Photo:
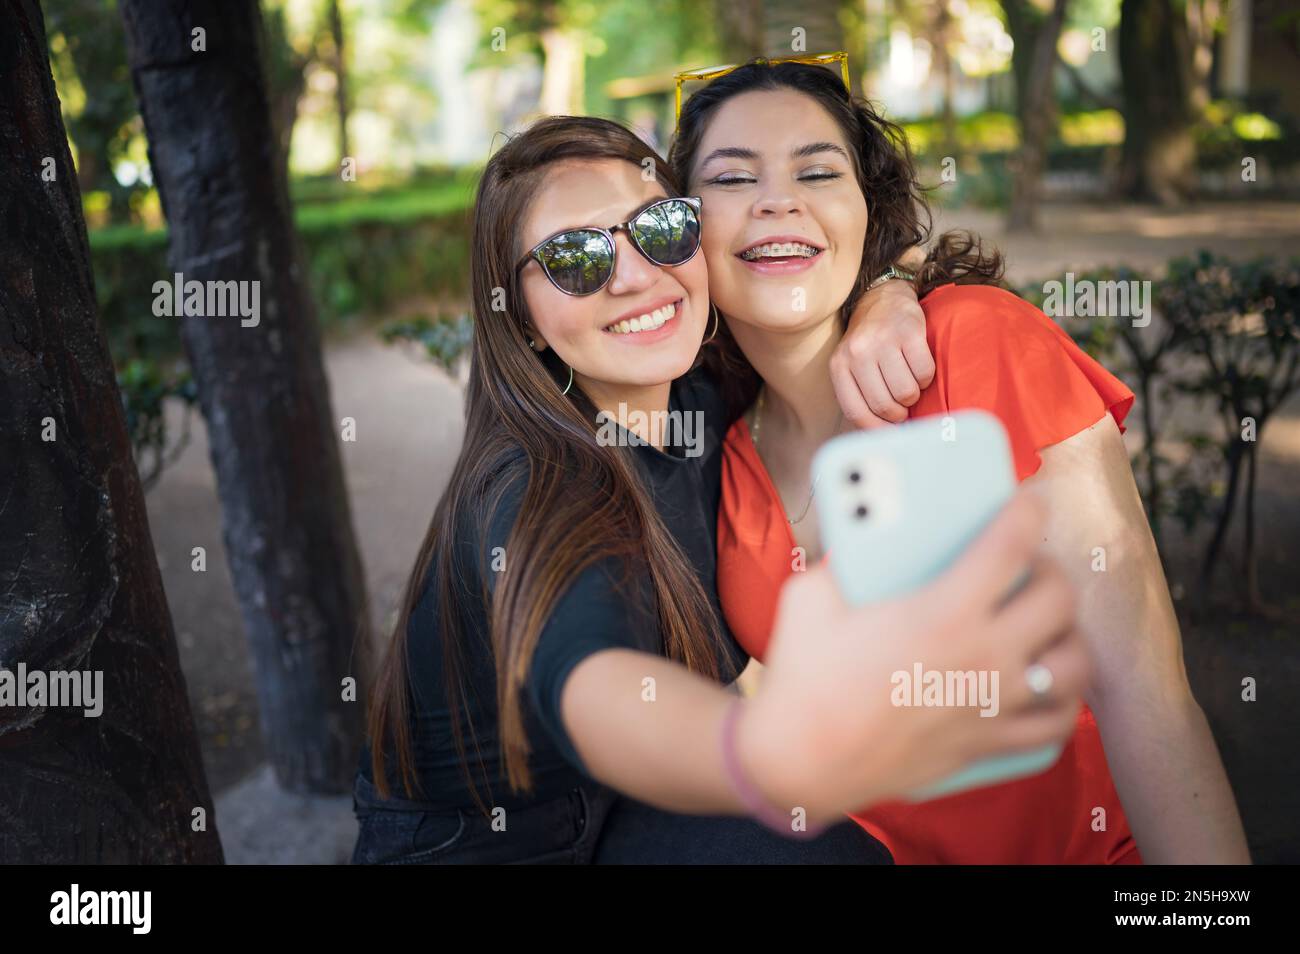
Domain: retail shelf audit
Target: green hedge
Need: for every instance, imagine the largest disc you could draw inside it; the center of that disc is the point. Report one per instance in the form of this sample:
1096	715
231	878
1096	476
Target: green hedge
1228	342
365	252
1083	137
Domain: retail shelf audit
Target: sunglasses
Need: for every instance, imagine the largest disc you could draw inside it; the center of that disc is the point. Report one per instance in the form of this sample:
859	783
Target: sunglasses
708	73
581	261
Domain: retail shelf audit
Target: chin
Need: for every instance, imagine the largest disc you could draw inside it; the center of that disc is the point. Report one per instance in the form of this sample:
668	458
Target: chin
673	369
662	370
766	317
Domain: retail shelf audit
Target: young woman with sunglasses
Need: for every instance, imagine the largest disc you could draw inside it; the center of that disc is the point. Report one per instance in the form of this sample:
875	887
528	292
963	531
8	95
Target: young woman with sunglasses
560	640
808	189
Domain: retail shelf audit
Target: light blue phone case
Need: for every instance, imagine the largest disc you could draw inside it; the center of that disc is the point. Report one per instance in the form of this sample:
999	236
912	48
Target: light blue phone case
897	506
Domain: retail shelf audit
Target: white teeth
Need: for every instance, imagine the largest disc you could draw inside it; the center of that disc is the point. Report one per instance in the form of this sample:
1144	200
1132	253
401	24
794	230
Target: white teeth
779	250
646	322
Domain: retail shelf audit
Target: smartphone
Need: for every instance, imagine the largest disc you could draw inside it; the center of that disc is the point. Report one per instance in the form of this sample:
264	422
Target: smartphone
897	506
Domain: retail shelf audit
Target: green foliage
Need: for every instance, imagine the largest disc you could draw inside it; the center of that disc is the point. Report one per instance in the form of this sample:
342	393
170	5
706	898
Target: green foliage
145	386
1086	141
365	252
1242	318
1234	329
633	38
1228	131
88	56
982	181
989	131
444	339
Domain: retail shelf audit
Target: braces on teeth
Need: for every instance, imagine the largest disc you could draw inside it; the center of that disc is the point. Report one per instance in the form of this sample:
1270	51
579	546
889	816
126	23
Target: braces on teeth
779	250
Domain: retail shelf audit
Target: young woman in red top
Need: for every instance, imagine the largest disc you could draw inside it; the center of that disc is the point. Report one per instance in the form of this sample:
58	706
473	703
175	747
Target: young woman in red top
808	195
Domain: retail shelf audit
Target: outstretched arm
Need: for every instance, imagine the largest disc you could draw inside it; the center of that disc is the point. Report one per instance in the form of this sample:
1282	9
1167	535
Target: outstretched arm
822	733
1159	747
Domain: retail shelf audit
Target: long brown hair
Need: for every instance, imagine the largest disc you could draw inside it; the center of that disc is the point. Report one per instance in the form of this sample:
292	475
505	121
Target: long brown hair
582	502
899	219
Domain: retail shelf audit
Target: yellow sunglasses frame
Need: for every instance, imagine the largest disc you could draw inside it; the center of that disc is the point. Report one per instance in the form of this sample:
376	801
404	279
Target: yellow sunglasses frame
713	72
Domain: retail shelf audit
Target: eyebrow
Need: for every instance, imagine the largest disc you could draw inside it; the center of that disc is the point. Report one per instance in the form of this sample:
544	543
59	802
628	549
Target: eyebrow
730	152
799	152
812	148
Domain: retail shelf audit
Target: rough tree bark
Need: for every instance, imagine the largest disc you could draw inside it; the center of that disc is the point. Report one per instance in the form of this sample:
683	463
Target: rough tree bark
1034	65
819	19
1158	82
262	389
79	583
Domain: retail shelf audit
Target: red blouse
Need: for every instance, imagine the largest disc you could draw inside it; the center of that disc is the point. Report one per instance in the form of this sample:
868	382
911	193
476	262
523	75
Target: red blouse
997	352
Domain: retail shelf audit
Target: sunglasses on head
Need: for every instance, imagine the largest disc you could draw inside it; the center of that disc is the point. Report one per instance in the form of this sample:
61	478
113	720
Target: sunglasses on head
581	261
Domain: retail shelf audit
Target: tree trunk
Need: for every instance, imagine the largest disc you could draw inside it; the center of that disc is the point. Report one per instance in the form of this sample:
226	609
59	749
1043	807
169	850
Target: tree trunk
79	584
286	78
1249	559
340	79
739	27
1158	162
819	19
262	387
1154	494
1211	559
942	32
1035	104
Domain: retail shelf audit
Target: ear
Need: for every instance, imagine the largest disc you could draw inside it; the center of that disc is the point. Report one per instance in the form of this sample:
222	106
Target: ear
535	339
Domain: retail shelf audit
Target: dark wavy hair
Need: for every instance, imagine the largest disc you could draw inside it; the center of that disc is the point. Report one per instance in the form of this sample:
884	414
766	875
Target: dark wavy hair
899	216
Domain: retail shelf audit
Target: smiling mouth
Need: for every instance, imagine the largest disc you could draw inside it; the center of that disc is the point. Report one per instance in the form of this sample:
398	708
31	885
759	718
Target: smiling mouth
647	322
779	252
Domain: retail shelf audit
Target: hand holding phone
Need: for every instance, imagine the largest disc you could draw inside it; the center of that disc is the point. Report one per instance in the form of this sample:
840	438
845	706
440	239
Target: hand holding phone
898	506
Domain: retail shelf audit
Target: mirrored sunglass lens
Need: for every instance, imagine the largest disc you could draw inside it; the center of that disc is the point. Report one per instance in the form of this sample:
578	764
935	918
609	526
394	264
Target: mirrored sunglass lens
578	262
669	233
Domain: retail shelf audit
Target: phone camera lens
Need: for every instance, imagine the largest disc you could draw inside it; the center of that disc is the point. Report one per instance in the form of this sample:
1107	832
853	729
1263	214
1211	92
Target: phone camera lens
861	512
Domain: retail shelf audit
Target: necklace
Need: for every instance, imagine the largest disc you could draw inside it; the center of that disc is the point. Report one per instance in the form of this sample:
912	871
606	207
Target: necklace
812	492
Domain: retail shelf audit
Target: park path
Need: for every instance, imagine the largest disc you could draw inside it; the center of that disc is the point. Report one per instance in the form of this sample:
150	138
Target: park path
408	428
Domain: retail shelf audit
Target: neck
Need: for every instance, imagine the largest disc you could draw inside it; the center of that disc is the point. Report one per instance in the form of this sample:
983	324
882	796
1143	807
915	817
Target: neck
647	400
795	367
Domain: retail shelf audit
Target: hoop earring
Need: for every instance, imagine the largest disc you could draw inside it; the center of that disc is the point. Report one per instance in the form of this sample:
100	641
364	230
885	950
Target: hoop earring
570	384
713	308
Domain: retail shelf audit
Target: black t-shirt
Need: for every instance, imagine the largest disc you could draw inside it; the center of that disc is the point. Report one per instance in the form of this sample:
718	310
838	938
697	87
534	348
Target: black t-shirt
596	612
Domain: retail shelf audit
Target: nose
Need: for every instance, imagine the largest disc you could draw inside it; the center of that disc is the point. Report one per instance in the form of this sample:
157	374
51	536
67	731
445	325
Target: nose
633	272
775	202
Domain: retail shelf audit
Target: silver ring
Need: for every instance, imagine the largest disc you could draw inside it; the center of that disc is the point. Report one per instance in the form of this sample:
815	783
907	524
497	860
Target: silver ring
1039	679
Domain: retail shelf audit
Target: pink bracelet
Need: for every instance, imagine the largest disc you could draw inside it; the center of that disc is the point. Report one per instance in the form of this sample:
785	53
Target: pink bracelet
754	801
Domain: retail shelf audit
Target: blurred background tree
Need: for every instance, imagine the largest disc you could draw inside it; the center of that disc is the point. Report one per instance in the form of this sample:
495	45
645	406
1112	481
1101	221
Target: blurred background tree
88	54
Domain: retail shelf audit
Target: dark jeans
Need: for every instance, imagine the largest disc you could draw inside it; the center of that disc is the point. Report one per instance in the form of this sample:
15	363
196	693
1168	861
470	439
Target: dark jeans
560	831
589	824
637	834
